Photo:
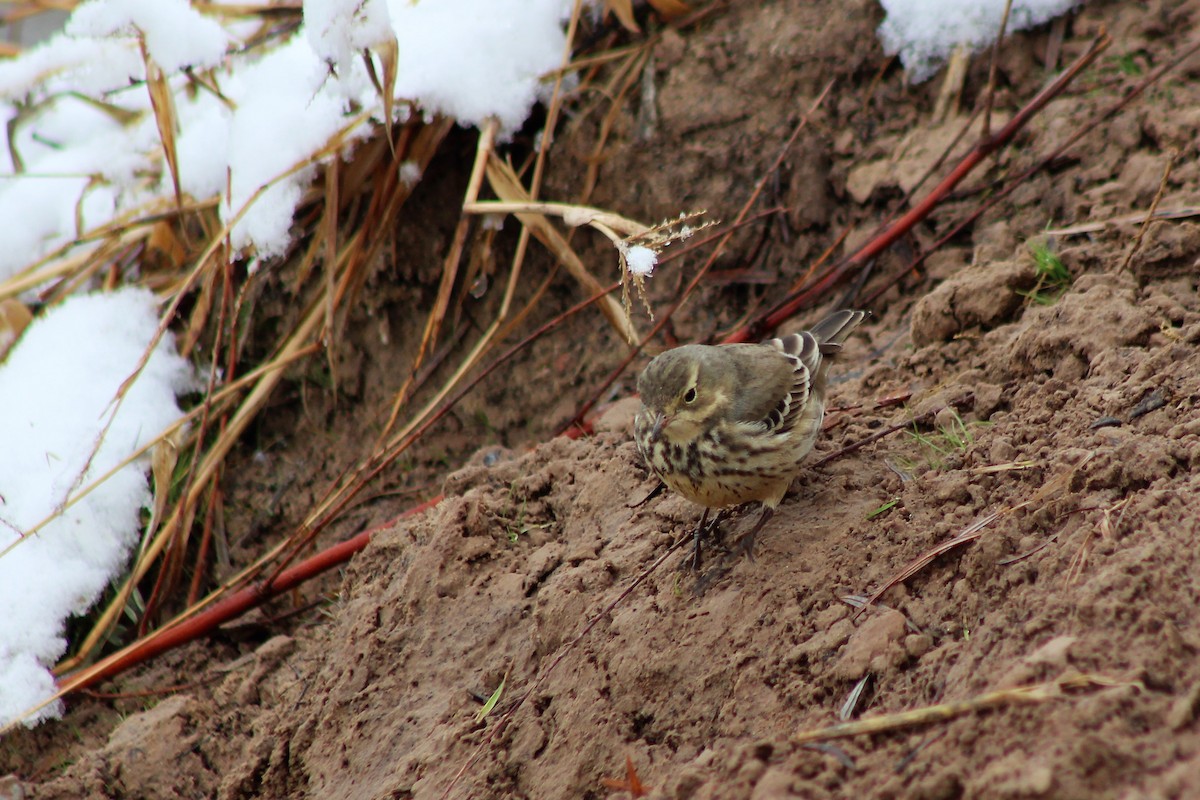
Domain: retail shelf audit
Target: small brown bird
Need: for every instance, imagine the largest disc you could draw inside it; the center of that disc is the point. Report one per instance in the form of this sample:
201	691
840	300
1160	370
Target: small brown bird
729	424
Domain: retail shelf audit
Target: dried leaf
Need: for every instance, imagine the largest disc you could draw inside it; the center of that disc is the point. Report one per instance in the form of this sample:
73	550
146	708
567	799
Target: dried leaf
14	317
163	103
623	11
164	250
389	57
632	783
163	460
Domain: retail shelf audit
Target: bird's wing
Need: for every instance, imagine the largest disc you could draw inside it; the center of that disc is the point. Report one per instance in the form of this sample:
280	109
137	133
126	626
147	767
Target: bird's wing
763	378
772	379
803	352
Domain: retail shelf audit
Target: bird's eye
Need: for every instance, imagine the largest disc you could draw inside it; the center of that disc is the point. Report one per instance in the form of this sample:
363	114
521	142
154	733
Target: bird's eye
690	395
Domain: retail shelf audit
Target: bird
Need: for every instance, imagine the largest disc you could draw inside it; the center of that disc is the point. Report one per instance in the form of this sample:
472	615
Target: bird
728	425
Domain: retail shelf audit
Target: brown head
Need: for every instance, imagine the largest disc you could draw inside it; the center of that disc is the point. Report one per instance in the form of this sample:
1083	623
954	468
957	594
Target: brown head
684	391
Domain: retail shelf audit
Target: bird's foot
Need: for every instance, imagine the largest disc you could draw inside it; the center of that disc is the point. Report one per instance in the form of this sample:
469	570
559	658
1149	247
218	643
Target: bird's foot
697	536
745	545
710	528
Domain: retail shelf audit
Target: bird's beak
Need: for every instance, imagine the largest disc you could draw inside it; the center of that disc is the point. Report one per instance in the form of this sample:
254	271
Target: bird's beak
661	421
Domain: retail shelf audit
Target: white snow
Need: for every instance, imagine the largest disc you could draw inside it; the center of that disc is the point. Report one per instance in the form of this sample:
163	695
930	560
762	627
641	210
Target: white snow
56	392
641	260
176	35
469	59
925	32
339	30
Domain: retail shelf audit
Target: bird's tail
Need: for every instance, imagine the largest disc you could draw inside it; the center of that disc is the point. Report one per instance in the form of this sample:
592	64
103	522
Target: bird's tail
833	330
830	333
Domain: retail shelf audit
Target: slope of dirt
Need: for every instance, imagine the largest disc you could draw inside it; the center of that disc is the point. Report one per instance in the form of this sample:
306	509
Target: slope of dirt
1075	452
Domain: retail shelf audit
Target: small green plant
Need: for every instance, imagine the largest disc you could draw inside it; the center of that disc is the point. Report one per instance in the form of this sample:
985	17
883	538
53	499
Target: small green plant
521	524
482	420
493	700
1053	277
936	445
1126	65
883	509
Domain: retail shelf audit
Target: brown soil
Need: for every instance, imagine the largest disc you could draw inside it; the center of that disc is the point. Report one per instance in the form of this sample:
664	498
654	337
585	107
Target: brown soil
1080	431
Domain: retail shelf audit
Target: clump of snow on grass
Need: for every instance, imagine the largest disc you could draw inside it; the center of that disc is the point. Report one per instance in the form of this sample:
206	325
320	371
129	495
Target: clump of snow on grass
176	34
641	260
925	32
56	388
410	173
339	30
280	105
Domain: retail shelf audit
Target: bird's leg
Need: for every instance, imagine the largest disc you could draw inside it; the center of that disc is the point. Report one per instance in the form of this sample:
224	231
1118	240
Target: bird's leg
696	537
714	527
746	543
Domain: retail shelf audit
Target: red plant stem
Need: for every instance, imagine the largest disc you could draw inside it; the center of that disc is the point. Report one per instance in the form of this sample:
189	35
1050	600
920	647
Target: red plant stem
226	609
788	308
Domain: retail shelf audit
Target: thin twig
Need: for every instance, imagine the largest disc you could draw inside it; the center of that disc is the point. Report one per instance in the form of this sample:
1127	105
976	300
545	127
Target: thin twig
990	97
1162	187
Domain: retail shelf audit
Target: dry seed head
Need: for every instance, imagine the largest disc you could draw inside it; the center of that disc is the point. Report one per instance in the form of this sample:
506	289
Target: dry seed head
639	254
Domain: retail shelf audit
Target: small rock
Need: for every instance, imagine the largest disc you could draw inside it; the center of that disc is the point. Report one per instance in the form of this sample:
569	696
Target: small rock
11	788
775	782
978	296
1051	658
1151	402
879	634
1184	709
917	644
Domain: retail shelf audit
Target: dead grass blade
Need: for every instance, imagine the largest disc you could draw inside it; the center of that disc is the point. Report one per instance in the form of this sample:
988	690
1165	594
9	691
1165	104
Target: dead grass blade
968	534
619	85
504	182
389	56
1012	466
623	11
1137	217
450	267
973	532
329	238
944	712
1136	245
670	9
1079	559
162	101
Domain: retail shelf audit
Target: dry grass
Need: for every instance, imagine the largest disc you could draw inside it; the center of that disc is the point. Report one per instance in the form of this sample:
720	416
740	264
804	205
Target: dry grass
181	247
